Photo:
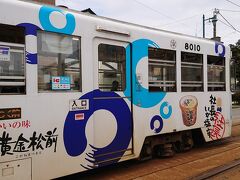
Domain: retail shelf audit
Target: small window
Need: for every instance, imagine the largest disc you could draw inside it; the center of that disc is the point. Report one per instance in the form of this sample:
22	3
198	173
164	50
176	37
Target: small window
192	72
111	67
216	73
58	62
12	60
162	70
12	34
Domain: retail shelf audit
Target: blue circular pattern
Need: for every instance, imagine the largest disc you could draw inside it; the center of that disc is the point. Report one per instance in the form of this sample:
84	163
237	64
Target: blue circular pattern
44	17
162	113
160	120
75	140
222	54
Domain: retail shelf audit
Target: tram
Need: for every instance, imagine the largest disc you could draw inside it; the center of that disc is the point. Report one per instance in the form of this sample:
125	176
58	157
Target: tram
79	91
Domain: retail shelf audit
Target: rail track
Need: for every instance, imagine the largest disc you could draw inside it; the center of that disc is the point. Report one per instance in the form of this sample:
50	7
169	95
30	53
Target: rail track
217	171
202	162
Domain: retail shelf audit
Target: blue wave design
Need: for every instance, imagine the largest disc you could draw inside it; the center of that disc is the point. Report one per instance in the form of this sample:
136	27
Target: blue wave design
142	97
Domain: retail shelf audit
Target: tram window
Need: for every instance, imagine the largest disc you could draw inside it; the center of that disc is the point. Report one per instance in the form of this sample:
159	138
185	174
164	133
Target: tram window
111	67
216	73
192	72
58	58
12	60
162	70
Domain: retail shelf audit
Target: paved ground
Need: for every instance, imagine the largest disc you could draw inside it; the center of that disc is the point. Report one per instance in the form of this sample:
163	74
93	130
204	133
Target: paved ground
236	115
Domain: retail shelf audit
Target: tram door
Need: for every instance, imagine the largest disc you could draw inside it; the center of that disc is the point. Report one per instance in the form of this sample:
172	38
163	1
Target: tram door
112	101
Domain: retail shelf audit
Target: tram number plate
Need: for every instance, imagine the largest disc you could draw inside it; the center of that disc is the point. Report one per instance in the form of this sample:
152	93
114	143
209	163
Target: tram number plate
192	47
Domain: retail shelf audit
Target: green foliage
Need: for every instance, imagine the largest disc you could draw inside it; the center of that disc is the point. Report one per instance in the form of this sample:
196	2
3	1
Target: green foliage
235	48
236	52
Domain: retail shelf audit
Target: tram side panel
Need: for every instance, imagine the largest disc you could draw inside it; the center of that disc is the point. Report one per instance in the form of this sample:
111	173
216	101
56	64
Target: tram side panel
32	124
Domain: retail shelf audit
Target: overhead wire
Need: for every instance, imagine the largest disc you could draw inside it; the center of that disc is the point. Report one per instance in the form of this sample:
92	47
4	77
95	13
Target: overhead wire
235	30
225	24
228	23
184	19
233	3
180	20
148	7
228	34
156	11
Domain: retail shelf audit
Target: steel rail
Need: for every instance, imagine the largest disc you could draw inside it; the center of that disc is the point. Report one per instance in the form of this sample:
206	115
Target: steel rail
215	171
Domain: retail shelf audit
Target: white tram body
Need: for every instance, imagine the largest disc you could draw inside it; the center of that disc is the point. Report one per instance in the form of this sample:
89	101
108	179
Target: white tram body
79	91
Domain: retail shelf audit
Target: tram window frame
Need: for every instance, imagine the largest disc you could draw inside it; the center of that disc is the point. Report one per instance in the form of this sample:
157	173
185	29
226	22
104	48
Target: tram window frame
215	63
69	66
197	80
12	66
111	67
163	62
